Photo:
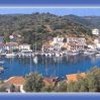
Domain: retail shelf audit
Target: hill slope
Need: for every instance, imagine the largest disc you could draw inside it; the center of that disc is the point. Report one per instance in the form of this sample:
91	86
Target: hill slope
41	27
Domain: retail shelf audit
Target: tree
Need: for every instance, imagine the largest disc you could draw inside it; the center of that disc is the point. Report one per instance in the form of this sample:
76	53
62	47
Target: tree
2	89
61	87
34	83
91	83
93	80
12	88
48	88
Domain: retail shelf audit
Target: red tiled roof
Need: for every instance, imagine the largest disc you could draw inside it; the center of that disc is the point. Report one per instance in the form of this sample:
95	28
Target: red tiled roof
49	81
17	80
74	77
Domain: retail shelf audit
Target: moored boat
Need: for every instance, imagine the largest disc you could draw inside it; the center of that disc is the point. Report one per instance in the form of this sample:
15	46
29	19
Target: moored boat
10	55
35	59
1	62
1	69
88	53
97	55
73	52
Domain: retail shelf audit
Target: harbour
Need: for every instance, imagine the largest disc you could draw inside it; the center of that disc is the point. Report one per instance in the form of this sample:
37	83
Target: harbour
48	66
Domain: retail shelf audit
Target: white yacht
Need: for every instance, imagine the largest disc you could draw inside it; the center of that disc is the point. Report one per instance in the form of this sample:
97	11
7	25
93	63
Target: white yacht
97	55
3	54
88	53
1	62
46	54
35	59
1	69
57	54
73	52
49	54
10	55
26	53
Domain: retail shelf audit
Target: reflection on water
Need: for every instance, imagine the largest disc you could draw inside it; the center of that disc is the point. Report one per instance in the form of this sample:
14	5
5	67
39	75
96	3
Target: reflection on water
49	66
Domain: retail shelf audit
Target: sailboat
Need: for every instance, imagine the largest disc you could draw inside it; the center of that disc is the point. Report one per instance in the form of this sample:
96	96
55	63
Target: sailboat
57	54
1	62
35	60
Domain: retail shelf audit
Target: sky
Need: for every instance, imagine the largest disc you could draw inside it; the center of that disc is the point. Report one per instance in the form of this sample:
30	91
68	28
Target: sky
48	2
54	10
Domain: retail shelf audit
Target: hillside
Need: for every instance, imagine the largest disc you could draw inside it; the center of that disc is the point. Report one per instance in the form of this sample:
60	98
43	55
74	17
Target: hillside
95	21
42	27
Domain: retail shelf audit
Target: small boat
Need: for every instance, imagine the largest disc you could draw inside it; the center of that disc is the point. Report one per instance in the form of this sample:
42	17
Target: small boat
3	54
1	62
18	55
73	53
57	54
33	54
10	55
26	53
35	59
88	53
1	69
46	54
49	54
97	55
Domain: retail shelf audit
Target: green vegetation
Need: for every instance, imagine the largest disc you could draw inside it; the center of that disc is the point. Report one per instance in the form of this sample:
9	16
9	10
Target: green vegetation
2	87
91	83
34	83
41	27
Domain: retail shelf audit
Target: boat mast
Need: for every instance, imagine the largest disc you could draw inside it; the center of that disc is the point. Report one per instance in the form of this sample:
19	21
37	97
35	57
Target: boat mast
30	64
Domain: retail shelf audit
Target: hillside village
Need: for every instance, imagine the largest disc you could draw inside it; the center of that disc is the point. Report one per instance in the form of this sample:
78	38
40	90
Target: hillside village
59	46
35	82
47	35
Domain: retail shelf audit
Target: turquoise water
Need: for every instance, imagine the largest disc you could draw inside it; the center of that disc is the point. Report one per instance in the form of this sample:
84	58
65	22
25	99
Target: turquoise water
48	66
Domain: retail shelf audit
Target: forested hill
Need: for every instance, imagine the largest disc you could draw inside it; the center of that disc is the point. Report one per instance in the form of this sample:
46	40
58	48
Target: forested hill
95	20
46	25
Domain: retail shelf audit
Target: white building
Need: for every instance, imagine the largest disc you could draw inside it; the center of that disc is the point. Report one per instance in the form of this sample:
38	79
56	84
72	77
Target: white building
11	46
57	43
97	43
17	81
95	31
76	43
58	40
25	47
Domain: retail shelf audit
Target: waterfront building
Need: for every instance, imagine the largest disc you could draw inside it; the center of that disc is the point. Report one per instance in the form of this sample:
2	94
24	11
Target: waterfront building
24	47
17	81
97	43
66	46
76	43
15	37
57	40
10	46
54	45
71	43
91	47
74	77
47	47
